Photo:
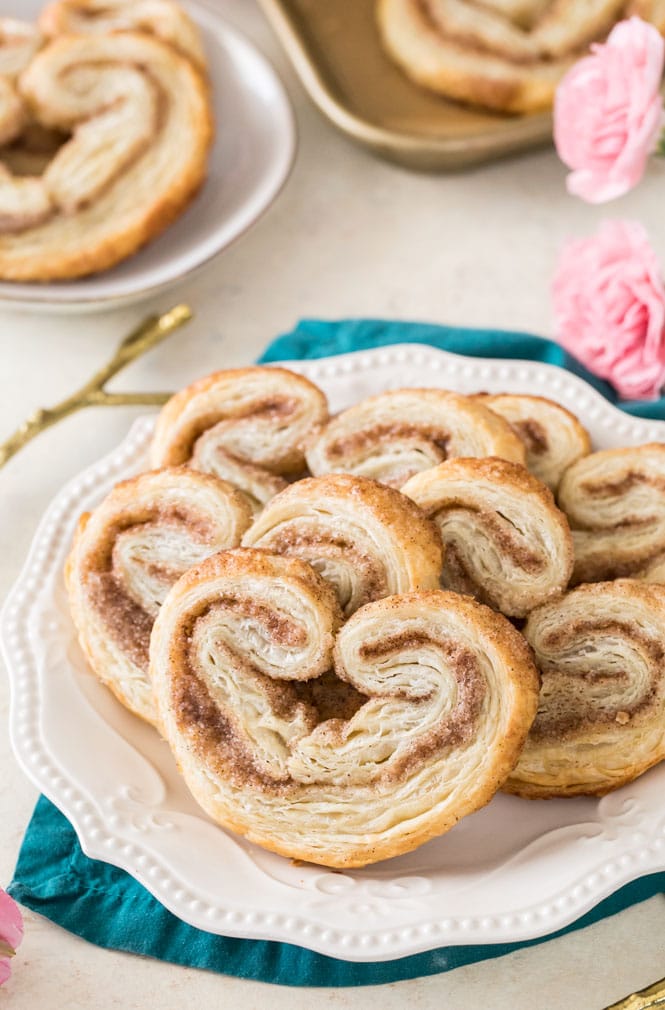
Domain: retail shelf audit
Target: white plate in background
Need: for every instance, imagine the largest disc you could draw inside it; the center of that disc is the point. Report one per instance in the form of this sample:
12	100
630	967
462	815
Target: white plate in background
252	154
516	869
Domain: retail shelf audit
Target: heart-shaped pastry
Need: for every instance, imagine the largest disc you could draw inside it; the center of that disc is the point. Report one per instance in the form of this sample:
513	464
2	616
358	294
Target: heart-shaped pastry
600	650
246	425
506	542
447	692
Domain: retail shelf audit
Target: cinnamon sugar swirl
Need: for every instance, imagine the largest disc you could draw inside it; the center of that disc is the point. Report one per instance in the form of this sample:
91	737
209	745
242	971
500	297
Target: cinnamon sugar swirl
394	435
246	425
507	55
366	539
126	556
601	654
506	542
615	503
448	693
553	438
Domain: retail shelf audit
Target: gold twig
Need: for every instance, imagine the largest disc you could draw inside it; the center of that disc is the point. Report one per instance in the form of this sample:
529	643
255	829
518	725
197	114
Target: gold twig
93	393
645	999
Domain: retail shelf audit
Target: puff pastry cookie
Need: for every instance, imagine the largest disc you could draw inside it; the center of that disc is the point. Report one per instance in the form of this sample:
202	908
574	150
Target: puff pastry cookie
19	41
449	693
600	650
140	123
615	503
498	54
162	18
128	553
367	540
506	542
394	435
553	437
247	425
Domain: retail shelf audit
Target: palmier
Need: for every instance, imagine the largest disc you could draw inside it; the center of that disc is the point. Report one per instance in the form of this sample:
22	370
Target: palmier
127	554
366	539
505	541
448	687
600	650
553	437
615	503
394	435
498	54
138	119
246	425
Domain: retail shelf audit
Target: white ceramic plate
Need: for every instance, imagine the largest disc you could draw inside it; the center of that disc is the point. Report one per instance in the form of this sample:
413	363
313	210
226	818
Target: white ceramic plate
249	163
516	869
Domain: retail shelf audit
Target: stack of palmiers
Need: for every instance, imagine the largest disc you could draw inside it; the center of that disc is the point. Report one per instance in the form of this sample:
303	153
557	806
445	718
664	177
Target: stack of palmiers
354	630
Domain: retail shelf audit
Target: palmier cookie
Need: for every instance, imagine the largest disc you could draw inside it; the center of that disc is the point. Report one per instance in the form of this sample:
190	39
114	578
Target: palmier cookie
127	554
394	435
448	688
139	125
505	541
553	437
367	540
499	54
19	41
600	650
165	19
615	503
246	425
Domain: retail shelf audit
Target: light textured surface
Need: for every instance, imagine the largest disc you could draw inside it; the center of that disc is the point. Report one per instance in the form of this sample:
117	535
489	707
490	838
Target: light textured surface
349	236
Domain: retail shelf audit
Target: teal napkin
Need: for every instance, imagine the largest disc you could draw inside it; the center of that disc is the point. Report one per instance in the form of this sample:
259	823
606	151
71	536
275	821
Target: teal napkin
108	907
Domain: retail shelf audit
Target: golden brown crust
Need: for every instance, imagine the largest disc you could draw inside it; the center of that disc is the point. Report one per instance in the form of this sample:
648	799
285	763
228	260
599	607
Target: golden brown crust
366	539
615	503
102	212
396	434
600	650
506	542
553	437
425	744
125	556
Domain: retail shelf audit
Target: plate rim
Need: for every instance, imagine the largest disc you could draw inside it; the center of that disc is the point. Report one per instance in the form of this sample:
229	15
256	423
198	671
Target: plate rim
101	840
45	295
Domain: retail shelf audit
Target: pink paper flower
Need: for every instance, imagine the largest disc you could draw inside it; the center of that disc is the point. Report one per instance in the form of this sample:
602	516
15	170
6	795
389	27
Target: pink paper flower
608	112
11	932
609	308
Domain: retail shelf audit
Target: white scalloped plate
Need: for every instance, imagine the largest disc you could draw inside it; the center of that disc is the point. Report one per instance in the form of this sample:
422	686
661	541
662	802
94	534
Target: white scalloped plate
514	870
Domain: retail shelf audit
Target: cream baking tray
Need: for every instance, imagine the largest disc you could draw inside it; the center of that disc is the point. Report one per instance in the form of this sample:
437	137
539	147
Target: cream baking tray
334	47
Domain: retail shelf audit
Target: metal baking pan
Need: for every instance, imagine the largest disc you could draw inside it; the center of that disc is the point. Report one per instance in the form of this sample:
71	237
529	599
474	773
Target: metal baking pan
335	49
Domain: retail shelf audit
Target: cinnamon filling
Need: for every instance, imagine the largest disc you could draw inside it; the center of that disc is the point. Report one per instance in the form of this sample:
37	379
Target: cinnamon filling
219	738
357	442
533	434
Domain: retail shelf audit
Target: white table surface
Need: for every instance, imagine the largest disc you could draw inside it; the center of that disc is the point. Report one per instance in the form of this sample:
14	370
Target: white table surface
350	235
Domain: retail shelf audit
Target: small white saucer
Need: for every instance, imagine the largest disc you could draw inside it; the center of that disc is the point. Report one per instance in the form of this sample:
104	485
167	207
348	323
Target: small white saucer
249	163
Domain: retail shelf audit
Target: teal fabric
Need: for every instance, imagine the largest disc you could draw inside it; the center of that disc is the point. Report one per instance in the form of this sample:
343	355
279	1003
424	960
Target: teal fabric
108	907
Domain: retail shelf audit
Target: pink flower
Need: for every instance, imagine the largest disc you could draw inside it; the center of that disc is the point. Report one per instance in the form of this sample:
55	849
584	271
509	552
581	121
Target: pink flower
608	112
609	308
11	932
